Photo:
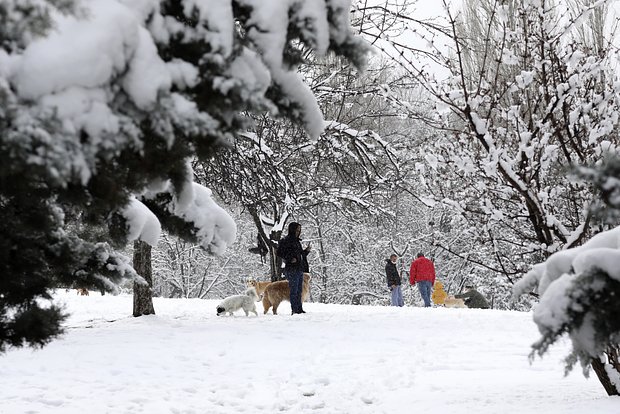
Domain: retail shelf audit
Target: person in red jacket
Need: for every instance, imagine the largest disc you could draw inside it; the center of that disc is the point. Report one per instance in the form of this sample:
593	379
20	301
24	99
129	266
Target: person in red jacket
422	272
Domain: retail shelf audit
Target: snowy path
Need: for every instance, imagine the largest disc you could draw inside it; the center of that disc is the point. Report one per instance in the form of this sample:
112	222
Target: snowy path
335	359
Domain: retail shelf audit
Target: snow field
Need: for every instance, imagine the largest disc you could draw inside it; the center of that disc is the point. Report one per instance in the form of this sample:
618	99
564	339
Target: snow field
334	359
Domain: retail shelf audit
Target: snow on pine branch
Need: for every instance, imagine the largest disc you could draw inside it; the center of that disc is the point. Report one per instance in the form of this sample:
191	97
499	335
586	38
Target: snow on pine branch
561	263
213	228
141	222
87	52
109	49
112	36
217	229
576	287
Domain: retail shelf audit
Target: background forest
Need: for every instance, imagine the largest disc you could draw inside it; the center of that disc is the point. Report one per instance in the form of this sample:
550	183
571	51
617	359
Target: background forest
459	140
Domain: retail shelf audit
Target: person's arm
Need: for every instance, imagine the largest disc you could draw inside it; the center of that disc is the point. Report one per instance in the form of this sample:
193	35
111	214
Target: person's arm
465	295
302	254
305	252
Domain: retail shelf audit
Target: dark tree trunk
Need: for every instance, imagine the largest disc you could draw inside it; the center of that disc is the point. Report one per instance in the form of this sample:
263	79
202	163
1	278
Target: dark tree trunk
612	363
271	241
275	263
142	293
324	277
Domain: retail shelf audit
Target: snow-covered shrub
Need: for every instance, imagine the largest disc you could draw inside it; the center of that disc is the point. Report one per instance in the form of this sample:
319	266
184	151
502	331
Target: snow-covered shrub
579	292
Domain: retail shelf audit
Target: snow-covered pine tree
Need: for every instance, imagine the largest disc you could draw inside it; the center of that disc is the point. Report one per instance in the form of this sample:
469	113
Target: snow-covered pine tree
101	114
579	289
39	246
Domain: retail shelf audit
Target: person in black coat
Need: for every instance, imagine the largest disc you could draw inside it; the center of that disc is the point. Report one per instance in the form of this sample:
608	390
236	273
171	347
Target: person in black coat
295	264
394	281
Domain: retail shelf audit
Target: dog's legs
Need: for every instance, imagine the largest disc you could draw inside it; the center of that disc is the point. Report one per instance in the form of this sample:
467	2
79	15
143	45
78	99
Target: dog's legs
266	305
275	308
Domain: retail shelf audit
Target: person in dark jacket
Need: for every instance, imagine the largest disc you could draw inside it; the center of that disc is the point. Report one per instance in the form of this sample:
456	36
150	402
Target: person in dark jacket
473	298
295	264
394	281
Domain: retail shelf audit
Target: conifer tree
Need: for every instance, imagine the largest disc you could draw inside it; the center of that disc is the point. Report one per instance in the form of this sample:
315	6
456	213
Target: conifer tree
579	289
97	138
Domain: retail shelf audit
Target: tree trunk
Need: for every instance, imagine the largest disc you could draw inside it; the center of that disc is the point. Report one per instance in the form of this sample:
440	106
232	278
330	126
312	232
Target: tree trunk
142	292
275	262
323	256
271	241
599	366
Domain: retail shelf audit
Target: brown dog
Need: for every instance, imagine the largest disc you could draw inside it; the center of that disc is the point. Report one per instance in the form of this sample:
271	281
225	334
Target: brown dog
259	286
277	292
82	291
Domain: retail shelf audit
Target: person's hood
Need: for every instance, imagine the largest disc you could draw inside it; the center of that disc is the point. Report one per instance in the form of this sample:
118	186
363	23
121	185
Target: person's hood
292	228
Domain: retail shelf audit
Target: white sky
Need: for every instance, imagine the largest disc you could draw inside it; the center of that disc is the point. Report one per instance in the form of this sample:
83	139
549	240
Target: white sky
334	359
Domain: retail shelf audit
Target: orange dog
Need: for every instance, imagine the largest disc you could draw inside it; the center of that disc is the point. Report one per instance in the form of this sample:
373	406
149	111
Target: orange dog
277	292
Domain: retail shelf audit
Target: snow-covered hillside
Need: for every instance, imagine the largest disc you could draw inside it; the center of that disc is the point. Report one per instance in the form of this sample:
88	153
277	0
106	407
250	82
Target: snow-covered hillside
334	359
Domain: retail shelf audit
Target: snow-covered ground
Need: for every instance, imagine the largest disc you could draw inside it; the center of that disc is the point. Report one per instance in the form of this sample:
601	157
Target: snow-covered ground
334	359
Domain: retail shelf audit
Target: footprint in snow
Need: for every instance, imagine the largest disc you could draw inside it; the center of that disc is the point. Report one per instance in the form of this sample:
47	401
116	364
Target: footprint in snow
367	400
308	392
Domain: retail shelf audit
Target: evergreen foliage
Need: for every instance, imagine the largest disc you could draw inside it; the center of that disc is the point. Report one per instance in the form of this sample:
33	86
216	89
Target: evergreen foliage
580	289
591	300
66	184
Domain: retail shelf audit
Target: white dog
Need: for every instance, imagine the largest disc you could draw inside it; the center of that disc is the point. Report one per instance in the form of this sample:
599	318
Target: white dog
452	302
236	302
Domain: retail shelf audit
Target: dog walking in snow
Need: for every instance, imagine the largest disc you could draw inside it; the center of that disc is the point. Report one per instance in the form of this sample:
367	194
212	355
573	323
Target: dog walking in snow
246	302
277	292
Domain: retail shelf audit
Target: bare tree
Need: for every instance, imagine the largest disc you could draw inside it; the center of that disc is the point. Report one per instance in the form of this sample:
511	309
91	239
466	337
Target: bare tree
274	171
518	96
184	270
